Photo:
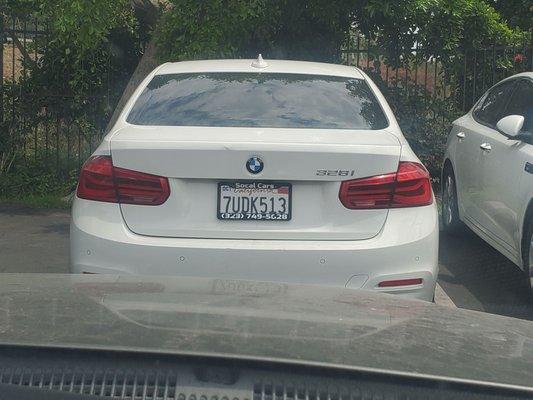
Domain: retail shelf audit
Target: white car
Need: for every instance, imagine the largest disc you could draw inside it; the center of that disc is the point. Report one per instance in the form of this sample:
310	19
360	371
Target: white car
487	174
245	169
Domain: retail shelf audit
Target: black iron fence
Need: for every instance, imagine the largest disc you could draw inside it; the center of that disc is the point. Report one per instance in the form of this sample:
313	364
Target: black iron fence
425	93
461	80
32	124
484	67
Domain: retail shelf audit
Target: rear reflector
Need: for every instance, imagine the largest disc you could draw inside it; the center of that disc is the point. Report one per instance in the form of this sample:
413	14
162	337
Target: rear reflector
408	187
101	181
401	282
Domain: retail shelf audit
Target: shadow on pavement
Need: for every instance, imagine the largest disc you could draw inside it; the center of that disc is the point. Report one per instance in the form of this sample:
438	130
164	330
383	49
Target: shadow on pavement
28	211
478	277
63	228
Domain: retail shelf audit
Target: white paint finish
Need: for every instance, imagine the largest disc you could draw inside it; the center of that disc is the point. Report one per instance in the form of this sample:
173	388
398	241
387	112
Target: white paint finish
198	158
323	244
317	214
498	202
487	179
511	125
259	62
468	155
407	247
356	281
221	153
273	66
494	189
499	245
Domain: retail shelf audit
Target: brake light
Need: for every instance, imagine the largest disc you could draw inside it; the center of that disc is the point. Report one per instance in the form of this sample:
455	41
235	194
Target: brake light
408	187
101	181
139	188
96	180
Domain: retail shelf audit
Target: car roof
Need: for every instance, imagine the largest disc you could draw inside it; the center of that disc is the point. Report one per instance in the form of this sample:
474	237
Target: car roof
273	66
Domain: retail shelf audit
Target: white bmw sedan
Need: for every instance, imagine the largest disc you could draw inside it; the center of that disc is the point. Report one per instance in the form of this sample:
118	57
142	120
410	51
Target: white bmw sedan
276	171
487	174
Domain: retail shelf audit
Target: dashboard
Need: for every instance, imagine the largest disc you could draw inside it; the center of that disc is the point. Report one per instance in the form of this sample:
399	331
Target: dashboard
62	373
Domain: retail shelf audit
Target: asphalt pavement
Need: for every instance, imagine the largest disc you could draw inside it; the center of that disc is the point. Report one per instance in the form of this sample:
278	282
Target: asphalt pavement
33	240
472	274
477	277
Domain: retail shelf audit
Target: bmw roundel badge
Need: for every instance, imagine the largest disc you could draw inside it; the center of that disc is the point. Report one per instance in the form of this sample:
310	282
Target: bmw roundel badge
254	165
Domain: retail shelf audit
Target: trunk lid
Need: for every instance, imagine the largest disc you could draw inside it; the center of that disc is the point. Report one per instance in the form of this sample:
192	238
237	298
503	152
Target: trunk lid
313	161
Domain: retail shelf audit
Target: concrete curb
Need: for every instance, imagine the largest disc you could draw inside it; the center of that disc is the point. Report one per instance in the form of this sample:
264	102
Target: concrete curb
441	298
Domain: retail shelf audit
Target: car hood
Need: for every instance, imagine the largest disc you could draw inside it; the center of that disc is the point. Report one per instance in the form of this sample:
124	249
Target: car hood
299	324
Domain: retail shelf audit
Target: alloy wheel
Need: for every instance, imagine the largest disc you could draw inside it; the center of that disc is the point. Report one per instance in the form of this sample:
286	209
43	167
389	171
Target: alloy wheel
448	201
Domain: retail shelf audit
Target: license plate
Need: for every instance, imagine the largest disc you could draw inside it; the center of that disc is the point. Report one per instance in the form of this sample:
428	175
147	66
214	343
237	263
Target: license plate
254	201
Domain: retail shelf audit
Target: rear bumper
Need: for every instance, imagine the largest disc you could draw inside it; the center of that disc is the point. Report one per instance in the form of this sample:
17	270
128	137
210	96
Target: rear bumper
407	247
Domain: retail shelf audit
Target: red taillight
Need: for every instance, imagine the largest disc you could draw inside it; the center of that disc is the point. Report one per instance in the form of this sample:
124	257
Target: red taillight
408	187
139	188
413	187
101	181
96	180
401	282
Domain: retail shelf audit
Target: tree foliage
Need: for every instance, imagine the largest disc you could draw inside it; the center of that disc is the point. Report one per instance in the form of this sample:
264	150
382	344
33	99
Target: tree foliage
219	28
90	49
440	28
93	42
443	30
517	13
84	61
93	45
317	29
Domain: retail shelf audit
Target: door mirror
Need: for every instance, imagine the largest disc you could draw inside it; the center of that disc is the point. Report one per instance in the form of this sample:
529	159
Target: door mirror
511	125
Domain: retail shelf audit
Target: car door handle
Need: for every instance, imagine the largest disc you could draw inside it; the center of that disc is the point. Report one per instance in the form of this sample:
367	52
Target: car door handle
461	135
485	147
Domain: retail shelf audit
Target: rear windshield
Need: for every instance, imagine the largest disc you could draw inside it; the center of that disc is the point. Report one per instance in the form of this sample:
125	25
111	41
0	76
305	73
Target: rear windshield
258	100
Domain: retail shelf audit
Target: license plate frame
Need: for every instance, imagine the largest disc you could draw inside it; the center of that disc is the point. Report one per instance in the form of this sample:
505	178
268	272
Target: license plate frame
249	216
